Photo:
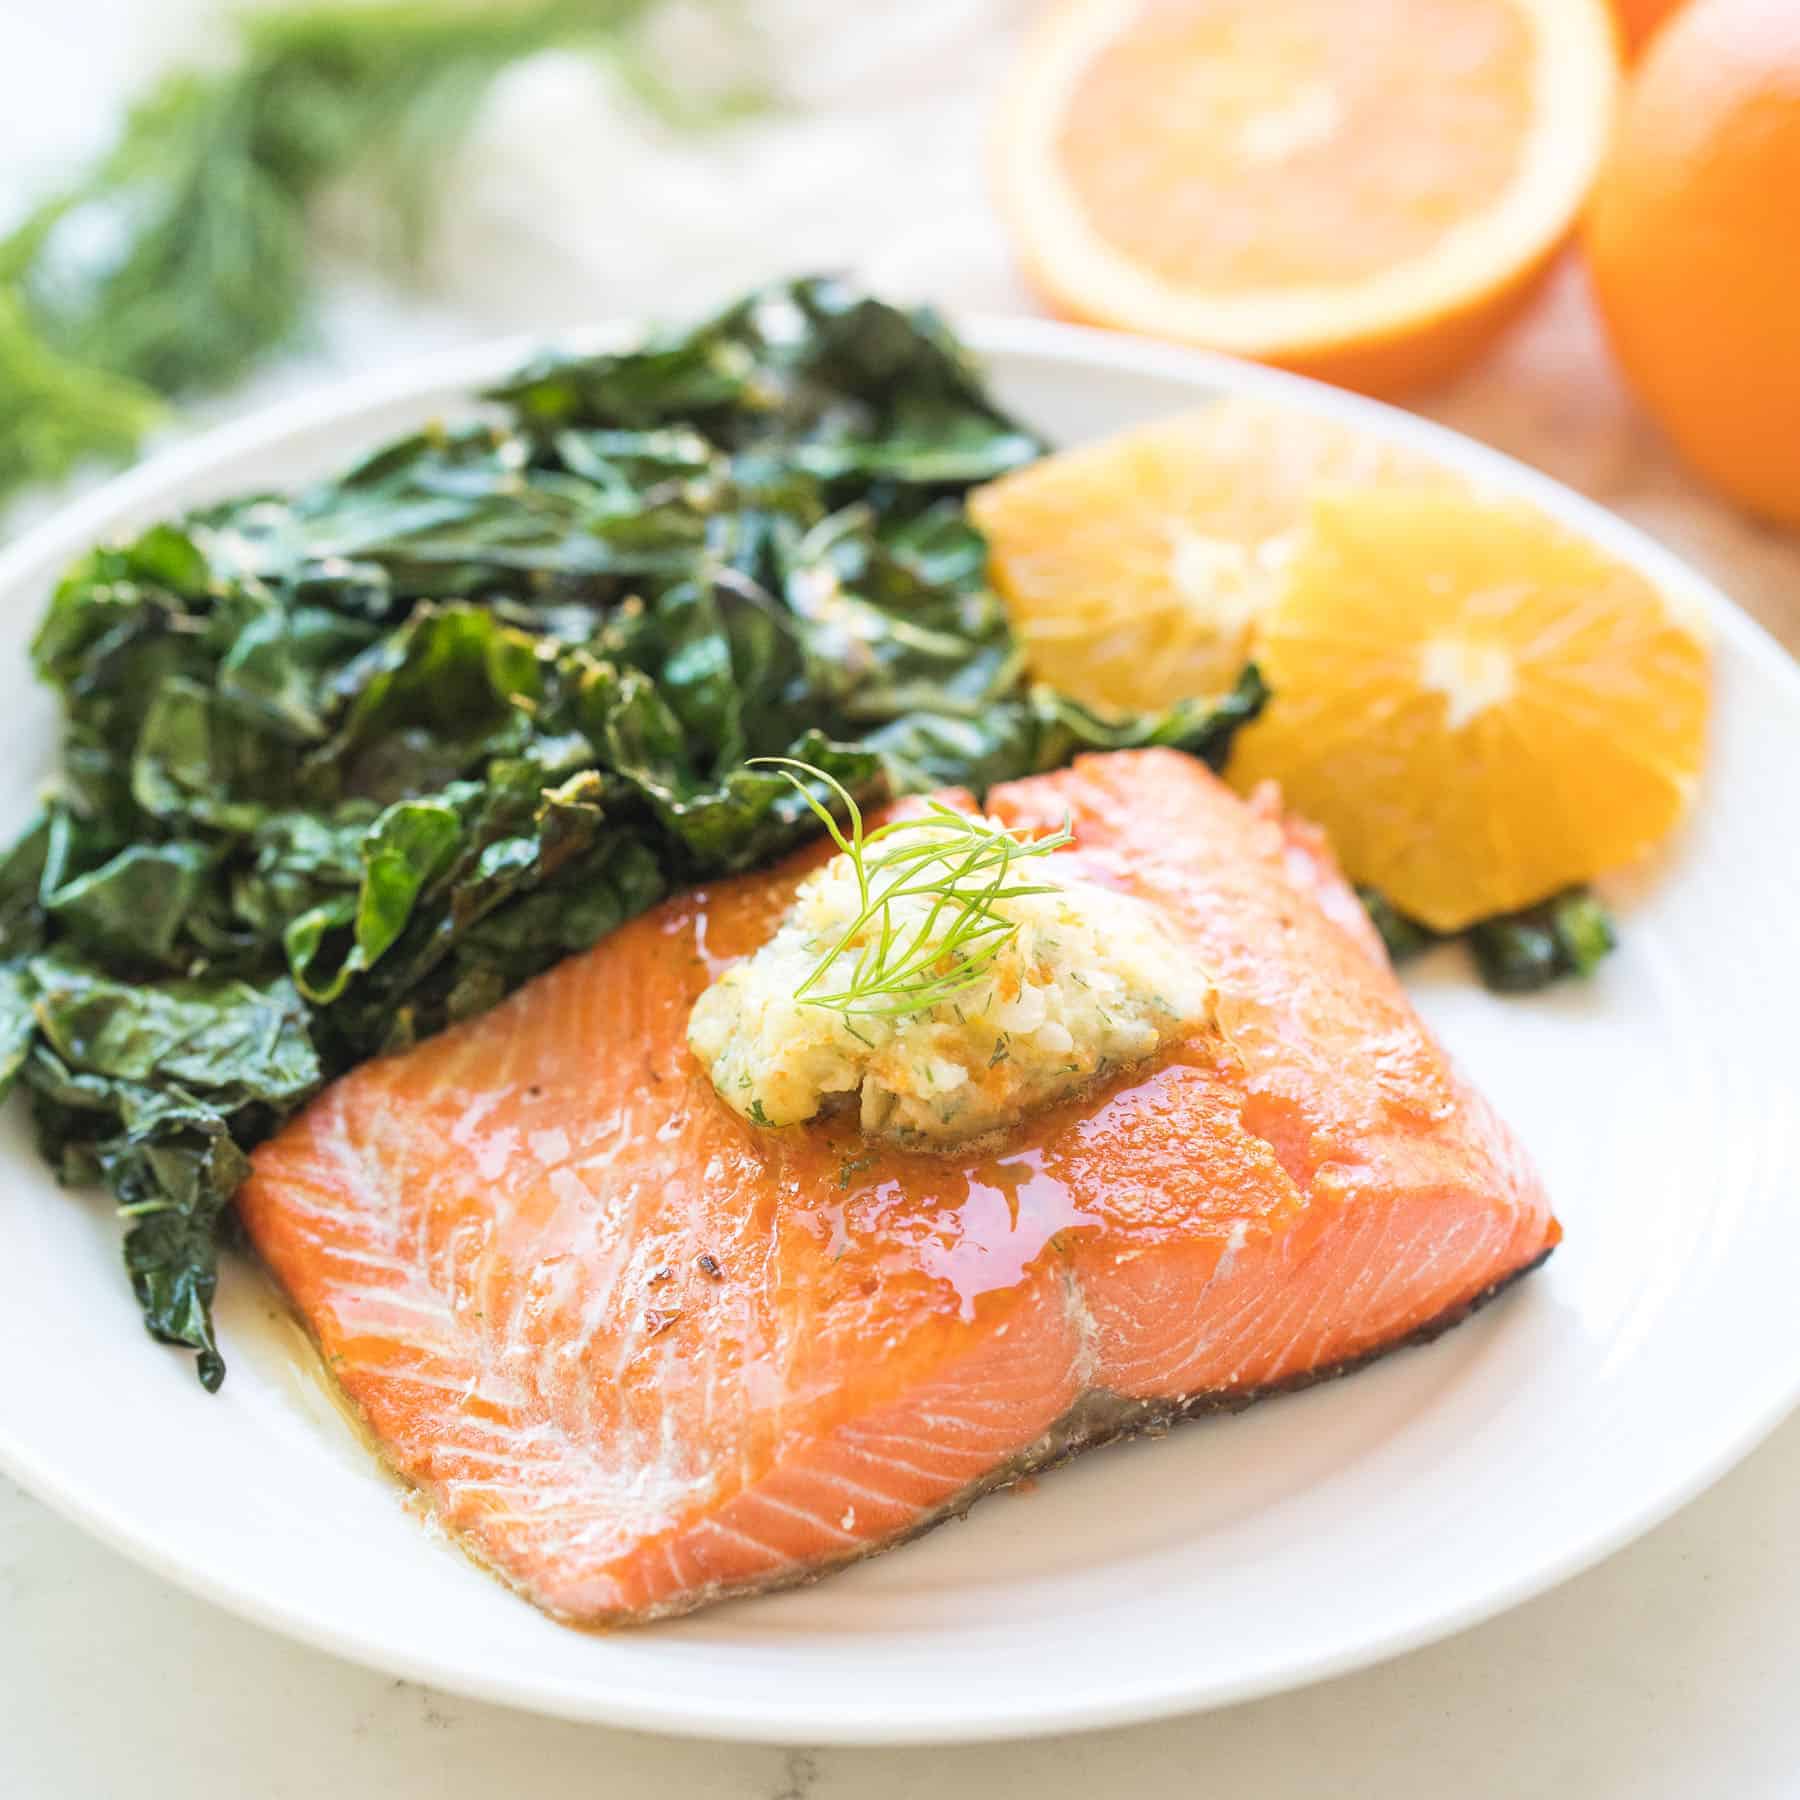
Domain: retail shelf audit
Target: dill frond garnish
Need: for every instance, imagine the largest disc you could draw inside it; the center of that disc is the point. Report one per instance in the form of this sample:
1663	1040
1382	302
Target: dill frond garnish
959	867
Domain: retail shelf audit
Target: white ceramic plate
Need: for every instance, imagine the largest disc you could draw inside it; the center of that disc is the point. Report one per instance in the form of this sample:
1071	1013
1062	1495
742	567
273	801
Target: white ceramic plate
1239	1556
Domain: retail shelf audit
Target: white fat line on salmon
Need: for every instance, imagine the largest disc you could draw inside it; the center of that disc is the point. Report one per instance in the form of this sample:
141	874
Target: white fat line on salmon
858	1439
797	1512
364	1259
1087	1332
889	1462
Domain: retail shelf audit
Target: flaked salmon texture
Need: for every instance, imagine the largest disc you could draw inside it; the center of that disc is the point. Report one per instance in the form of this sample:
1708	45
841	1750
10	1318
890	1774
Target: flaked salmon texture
640	1355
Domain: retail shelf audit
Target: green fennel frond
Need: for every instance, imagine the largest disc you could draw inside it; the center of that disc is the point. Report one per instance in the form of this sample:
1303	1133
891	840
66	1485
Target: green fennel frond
960	866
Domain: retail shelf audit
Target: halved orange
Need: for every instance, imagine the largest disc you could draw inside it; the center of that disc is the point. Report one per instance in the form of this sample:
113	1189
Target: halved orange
1640	20
1478	705
1362	191
1135	568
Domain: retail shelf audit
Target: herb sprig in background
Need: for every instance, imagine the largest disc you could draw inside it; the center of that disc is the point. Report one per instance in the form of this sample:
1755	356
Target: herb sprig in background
180	259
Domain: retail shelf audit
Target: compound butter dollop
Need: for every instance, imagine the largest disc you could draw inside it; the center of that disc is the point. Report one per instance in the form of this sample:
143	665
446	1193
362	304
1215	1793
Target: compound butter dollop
1090	979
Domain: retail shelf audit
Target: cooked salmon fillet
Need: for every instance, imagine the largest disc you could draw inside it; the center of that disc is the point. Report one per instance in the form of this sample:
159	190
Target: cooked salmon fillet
640	1355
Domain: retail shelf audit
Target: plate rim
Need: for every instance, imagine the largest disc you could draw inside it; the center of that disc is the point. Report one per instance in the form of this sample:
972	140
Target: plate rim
467	368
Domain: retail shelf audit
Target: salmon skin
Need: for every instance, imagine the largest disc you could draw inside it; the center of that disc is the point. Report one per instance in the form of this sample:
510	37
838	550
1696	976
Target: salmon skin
640	1355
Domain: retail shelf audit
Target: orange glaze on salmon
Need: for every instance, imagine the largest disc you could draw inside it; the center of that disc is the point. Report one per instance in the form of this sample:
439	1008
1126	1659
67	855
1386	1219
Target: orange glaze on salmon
641	1355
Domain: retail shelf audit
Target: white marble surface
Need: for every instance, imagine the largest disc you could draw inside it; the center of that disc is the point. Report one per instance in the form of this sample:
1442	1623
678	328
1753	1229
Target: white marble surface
1666	1672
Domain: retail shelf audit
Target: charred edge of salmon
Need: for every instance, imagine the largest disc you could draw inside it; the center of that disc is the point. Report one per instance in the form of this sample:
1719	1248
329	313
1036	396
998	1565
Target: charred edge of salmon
1096	1419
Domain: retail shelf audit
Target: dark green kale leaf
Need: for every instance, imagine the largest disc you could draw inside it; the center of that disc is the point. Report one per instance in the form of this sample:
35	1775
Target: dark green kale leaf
237	1043
18	1022
1570	934
148	1086
852	388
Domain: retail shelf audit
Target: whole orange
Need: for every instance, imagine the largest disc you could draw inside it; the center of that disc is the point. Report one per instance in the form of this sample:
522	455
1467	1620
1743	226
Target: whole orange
1691	236
1639	18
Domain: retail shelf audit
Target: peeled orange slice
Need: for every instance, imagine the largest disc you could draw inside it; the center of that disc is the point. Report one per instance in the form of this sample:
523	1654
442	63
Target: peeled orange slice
1135	569
1360	189
1478	706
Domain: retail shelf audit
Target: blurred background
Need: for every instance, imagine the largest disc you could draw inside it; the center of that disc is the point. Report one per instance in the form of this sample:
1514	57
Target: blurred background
464	170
